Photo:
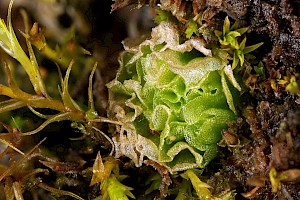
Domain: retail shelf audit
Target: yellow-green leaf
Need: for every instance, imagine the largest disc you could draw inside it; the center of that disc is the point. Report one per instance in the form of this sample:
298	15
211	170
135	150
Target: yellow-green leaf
226	26
252	47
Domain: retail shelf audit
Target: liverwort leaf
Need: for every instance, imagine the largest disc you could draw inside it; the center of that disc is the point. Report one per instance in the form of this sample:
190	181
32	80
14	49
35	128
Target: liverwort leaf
172	100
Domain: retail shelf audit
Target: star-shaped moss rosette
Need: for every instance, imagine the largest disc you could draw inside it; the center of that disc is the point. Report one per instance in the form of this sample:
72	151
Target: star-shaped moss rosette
173	101
228	39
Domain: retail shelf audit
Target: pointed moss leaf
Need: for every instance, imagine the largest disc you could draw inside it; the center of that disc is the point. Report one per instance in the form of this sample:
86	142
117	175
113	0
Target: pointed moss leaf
218	33
234	26
226	26
116	190
191	29
91	114
10	44
243	44
235	60
232	41
162	15
229	73
184	192
4	38
227	93
202	188
98	169
251	48
241	57
260	70
233	34
241	30
66	97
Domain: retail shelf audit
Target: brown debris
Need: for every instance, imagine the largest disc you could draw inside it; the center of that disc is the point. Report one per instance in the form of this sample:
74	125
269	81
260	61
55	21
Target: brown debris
166	179
64	167
236	9
291	175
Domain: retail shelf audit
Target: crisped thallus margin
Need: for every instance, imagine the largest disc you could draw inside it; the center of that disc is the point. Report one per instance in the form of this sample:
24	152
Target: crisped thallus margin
173	105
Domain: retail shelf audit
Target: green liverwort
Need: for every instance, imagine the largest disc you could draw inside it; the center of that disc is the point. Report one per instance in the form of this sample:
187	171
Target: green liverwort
172	101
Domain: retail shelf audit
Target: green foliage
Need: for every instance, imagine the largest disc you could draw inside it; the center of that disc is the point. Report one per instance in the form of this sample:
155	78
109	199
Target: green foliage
288	82
21	173
260	70
107	174
162	15
116	190
275	179
184	192
10	44
154	181
201	188
67	107
192	28
228	38
293	86
171	100
229	34
183	97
